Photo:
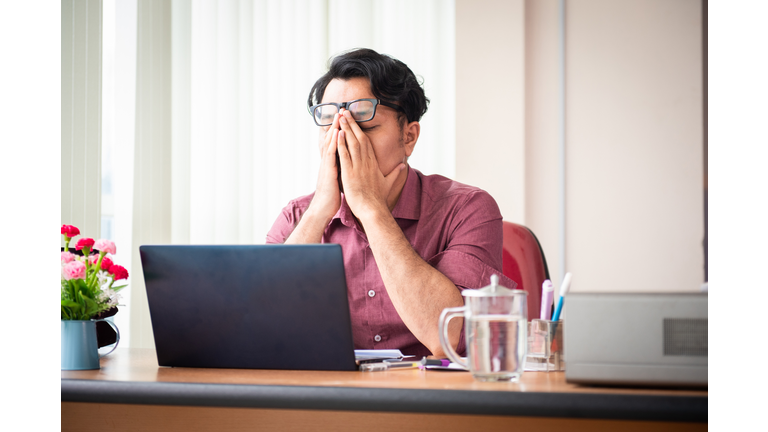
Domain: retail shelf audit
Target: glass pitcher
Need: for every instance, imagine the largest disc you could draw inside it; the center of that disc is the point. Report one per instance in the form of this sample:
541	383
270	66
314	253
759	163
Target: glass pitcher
495	330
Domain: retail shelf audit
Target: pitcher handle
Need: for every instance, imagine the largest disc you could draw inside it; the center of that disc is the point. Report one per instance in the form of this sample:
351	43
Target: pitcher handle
114	326
450	313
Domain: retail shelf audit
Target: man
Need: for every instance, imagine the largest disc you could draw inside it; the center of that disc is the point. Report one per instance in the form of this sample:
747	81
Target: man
410	242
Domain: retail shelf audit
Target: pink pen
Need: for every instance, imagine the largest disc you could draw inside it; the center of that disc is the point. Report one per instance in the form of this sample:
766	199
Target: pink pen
547	297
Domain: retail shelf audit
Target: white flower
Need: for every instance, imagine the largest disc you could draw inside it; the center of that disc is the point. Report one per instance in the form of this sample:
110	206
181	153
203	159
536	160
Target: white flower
104	279
109	297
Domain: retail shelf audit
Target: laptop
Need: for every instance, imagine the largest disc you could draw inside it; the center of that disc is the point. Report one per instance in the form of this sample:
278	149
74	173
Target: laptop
249	307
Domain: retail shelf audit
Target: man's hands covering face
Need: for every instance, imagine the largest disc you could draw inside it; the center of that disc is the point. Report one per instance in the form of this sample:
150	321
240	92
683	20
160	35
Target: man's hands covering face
365	186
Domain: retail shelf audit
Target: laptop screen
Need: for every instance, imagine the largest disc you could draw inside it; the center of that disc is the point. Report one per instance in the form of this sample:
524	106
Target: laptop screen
256	307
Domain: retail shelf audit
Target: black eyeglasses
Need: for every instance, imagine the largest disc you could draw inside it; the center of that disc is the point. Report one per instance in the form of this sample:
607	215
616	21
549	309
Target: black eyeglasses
362	110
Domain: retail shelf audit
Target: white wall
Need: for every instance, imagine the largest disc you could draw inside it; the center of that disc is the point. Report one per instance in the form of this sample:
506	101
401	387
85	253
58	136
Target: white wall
542	127
633	133
635	146
490	100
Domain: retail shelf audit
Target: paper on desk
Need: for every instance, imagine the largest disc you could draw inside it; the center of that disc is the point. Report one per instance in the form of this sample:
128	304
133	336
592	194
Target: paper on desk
378	354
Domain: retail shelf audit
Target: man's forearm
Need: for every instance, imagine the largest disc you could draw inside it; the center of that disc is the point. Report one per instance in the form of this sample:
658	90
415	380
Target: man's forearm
310	229
418	291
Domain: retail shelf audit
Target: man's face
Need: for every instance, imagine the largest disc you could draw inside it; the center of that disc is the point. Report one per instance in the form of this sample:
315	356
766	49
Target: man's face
383	131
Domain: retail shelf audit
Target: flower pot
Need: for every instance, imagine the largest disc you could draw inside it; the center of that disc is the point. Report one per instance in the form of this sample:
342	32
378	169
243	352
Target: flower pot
79	348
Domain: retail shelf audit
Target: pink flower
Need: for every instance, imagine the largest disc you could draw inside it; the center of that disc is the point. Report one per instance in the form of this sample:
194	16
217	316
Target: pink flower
106	246
84	242
119	272
67	257
106	263
93	259
69	230
73	270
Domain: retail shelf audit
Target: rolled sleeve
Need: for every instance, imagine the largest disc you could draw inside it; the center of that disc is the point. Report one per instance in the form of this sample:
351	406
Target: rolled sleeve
282	228
287	220
466	271
474	249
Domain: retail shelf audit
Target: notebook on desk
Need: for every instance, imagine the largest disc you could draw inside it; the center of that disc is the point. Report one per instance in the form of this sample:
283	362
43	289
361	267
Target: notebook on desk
249	307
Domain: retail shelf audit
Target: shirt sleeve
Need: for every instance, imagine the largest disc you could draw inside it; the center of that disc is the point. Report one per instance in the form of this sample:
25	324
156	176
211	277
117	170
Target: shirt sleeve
284	224
474	249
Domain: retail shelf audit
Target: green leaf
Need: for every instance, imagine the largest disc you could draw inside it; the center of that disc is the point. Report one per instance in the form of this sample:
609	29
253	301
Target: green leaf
71	310
83	301
70	304
79	285
89	303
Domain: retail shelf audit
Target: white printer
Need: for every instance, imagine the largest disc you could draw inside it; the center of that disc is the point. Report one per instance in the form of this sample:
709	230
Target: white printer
643	339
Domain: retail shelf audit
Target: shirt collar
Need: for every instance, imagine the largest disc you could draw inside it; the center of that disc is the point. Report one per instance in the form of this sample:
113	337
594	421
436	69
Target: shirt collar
345	213
409	204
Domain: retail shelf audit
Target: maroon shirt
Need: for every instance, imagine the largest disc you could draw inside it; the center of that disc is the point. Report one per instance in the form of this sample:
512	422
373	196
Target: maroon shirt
454	227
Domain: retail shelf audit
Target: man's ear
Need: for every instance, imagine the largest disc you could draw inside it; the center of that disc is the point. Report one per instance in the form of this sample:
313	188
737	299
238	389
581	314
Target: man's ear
410	136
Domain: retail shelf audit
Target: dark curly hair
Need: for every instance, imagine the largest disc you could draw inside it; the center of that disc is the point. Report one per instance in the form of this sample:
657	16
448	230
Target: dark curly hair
391	80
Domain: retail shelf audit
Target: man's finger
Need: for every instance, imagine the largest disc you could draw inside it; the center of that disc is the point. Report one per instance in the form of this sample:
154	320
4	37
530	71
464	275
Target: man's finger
343	151
360	136
334	123
330	150
325	139
357	149
332	128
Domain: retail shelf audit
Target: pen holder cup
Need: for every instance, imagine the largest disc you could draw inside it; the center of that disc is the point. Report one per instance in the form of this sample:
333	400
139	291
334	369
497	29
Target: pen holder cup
545	346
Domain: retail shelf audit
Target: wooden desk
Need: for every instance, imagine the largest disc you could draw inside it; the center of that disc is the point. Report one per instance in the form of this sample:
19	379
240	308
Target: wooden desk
130	392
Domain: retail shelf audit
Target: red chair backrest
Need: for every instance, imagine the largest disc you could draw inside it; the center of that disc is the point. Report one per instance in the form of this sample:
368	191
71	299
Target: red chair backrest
524	263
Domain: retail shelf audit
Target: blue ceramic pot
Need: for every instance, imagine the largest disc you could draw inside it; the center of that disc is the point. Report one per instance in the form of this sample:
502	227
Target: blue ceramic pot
79	348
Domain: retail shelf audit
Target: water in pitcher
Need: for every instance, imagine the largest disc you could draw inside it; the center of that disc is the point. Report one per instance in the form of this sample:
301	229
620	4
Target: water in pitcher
496	345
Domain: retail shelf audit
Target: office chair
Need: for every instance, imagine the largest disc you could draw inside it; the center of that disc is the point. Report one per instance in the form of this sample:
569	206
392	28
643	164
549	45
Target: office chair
524	263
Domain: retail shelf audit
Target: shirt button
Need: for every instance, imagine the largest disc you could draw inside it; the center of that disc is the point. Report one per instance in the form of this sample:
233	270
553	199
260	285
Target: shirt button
371	293
377	338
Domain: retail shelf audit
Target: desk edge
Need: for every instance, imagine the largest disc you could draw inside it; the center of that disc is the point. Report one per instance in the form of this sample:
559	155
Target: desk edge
528	404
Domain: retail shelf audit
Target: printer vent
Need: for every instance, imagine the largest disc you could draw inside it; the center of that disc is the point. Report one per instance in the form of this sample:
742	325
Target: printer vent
685	337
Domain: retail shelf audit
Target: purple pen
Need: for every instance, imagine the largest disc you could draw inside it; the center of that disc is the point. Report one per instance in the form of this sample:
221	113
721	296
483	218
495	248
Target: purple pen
547	297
